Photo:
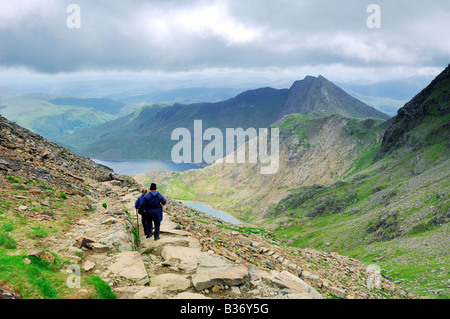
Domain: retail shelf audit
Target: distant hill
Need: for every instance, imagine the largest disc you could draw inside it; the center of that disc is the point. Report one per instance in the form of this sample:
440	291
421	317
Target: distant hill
401	89
146	134
109	106
56	115
386	96
185	95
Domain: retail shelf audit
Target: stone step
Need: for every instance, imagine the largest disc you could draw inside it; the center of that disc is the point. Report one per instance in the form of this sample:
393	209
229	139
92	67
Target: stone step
130	265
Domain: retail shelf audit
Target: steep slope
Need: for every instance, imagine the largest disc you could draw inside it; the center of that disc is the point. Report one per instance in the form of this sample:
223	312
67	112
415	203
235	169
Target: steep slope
124	139
422	122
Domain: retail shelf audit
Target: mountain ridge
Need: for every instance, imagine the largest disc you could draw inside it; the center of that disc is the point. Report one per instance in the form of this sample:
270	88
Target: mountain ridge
257	108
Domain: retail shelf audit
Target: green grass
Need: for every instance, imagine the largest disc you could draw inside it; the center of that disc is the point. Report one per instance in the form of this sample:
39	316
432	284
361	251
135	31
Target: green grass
7	241
39	279
34	280
37	232
12	179
42	279
102	289
179	190
365	159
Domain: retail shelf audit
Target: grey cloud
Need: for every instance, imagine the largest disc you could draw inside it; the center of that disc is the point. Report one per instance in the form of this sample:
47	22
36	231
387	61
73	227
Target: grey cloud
169	36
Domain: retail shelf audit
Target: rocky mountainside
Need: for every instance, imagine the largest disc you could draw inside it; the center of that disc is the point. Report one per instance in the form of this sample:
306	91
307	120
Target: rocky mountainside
422	122
63	217
34	158
146	134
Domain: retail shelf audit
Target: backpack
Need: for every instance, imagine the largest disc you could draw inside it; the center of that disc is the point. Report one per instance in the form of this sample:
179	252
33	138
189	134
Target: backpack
150	203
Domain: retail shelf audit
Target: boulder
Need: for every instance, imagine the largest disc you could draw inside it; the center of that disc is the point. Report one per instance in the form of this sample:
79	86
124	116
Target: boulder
98	248
82	242
148	293
119	239
207	278
287	280
42	254
170	282
184	258
88	265
127	292
150	244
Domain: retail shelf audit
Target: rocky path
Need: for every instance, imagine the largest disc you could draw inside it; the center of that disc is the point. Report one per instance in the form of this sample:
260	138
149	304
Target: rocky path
200	257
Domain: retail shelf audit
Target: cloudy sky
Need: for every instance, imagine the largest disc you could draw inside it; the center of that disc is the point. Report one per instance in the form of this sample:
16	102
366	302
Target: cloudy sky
283	37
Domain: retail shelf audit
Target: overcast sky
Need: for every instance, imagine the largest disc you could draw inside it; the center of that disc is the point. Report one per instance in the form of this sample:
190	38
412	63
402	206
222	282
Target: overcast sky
282	37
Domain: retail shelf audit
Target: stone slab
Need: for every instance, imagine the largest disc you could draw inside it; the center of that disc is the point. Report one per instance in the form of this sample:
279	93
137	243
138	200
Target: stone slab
130	265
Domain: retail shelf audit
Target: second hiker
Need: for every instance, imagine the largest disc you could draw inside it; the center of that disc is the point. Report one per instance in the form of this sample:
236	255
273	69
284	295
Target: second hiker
151	208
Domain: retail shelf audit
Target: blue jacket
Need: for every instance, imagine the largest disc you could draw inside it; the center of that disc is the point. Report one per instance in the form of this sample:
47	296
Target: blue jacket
138	202
152	204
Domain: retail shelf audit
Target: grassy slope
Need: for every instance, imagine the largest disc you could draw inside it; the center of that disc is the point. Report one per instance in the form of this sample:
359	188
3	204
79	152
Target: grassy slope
39	278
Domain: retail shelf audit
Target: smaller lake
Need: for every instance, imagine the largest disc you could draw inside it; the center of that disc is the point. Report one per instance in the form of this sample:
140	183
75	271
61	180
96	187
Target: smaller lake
213	212
142	167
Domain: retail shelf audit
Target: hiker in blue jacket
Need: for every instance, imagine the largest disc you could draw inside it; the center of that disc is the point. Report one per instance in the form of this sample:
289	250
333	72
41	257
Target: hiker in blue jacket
136	205
151	208
139	200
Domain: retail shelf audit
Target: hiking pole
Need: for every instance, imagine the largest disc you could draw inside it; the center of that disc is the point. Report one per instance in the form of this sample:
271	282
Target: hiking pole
137	222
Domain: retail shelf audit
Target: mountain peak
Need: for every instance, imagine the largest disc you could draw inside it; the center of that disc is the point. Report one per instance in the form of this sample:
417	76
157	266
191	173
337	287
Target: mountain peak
320	96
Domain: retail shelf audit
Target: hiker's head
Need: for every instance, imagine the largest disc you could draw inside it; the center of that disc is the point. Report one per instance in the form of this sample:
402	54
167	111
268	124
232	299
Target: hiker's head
153	187
144	191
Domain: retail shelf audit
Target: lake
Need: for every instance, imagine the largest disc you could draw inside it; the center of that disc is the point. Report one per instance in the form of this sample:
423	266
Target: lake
142	167
213	212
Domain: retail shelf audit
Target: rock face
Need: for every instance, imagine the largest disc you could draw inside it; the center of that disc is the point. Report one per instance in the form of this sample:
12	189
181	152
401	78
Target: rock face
431	103
287	280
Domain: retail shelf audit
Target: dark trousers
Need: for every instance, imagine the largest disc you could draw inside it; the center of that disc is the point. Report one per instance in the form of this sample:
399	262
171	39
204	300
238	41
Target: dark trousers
148	221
